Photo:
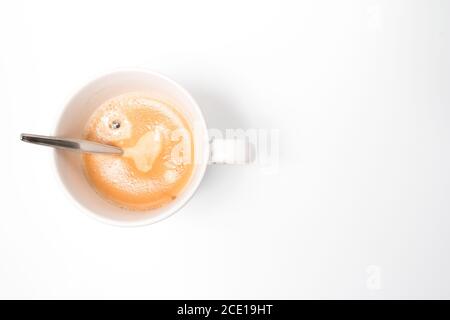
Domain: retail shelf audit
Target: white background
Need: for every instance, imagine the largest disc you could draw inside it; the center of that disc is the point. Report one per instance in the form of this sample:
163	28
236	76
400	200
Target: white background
358	208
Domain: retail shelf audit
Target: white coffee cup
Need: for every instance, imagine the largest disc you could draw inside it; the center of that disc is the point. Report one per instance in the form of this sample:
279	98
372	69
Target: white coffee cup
81	106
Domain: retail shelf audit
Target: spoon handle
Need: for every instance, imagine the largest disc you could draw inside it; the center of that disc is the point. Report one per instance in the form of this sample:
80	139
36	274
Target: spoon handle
70	144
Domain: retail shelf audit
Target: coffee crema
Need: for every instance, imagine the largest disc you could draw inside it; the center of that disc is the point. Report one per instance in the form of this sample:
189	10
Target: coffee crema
158	152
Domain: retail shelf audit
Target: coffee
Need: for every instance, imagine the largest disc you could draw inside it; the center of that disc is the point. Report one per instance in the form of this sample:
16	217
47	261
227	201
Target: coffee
158	151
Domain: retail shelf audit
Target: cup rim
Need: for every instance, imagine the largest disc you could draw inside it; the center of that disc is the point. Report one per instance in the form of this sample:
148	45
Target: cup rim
192	188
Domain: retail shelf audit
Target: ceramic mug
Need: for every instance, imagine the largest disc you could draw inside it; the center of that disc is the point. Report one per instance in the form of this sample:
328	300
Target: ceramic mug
78	110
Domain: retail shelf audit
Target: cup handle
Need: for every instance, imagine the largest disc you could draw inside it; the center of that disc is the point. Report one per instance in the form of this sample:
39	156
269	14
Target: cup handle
231	151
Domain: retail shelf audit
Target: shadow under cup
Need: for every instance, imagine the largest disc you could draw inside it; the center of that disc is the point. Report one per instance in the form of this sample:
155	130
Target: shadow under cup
80	108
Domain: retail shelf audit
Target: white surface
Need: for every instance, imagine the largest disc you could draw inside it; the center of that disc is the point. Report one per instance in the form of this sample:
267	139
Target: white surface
359	207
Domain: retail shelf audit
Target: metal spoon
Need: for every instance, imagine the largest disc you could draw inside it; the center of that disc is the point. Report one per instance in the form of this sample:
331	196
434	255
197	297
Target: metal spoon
71	144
